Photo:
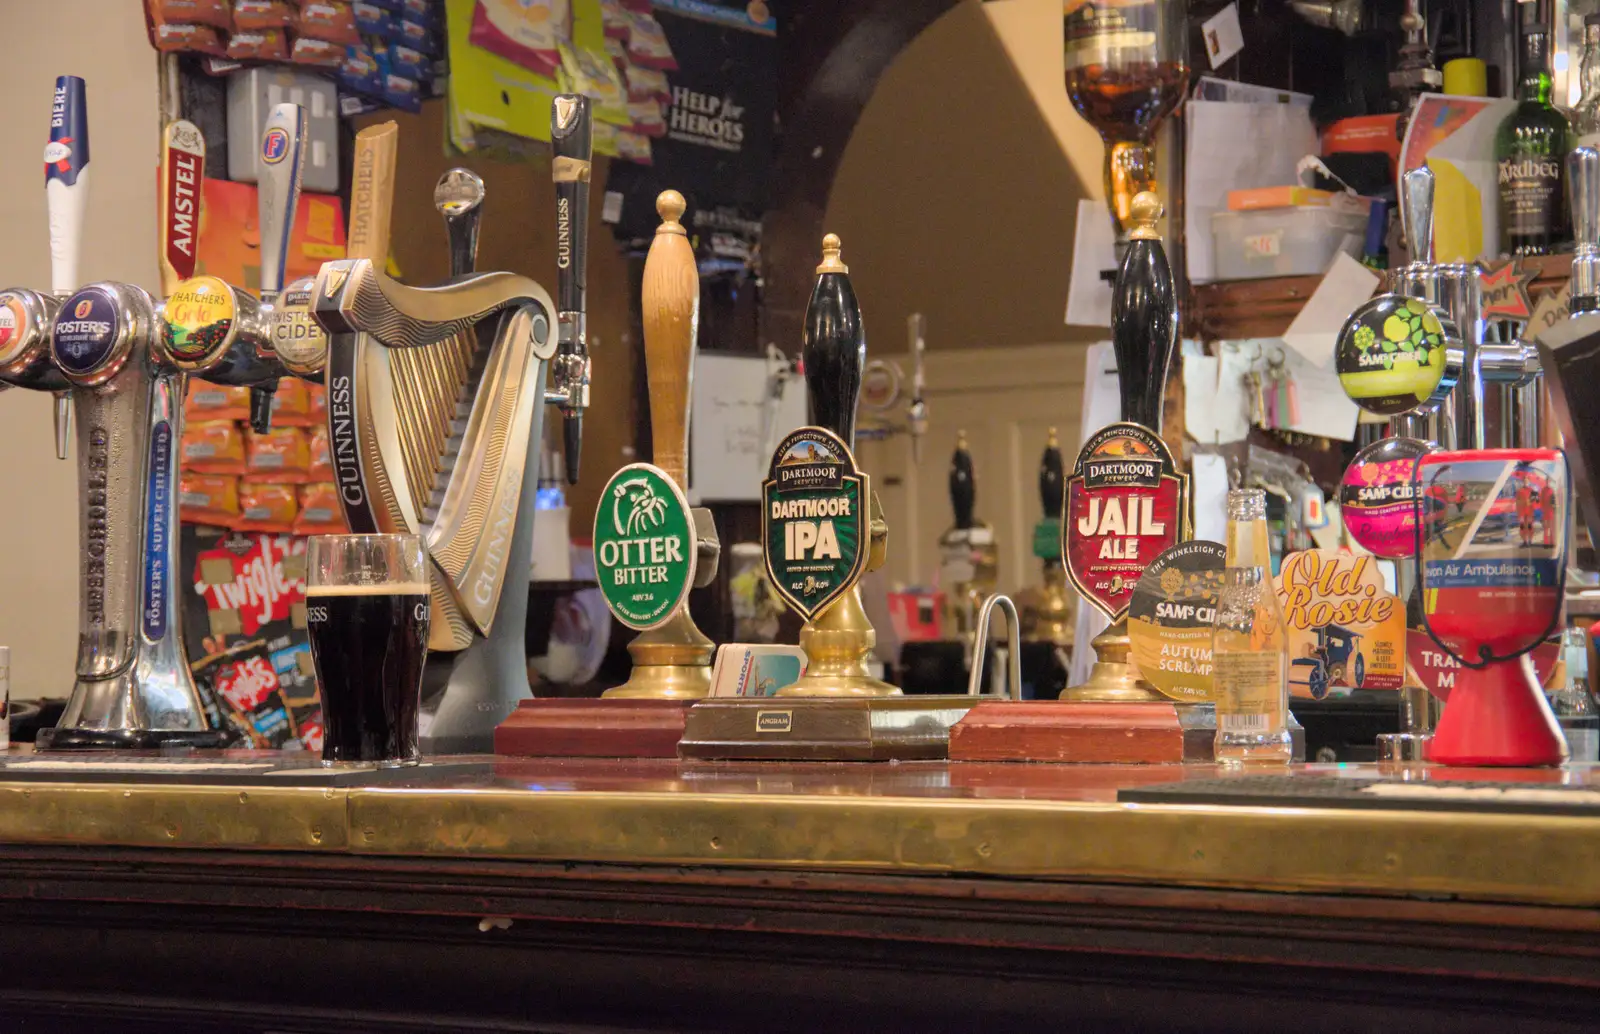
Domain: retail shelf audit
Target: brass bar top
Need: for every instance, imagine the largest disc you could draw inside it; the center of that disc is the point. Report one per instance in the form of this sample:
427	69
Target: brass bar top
1023	821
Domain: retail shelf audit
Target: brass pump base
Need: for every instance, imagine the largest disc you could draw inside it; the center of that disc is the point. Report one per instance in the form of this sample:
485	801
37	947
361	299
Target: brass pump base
1113	679
670	662
837	643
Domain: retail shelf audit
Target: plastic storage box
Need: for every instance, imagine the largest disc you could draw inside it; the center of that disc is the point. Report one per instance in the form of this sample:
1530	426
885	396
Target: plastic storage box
1284	241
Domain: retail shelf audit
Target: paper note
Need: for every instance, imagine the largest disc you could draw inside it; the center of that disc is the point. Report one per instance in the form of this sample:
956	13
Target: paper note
1324	407
1199	397
1315	331
1093	250
1209	487
1223	36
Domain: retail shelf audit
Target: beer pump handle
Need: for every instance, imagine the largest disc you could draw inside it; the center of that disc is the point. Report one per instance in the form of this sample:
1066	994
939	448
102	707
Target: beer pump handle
833	346
459	199
183	166
372	193
917	413
66	189
1052	476
571	137
963	490
671	304
281	161
1583	192
1144	317
278	168
1416	212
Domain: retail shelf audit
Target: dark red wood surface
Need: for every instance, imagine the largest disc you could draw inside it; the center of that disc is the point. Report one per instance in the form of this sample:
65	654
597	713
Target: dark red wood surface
555	728
1126	734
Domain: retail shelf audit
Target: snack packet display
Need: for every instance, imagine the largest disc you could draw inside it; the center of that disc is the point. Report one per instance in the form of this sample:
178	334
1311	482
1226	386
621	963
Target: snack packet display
281	455
321	458
170	37
267	506
329	20
256	15
646	83
209	499
291	404
266	45
524	32
316	53
214	13
216	402
213	447
319	510
647	43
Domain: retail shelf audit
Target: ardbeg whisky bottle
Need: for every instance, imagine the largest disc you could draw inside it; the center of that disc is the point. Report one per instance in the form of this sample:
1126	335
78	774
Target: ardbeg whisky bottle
1530	149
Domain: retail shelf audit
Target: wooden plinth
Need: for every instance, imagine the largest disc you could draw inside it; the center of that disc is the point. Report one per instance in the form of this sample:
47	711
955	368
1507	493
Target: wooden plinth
1003	730
587	728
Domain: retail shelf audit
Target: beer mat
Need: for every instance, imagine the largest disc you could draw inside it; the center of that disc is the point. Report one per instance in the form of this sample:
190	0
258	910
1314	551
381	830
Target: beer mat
1373	793
304	770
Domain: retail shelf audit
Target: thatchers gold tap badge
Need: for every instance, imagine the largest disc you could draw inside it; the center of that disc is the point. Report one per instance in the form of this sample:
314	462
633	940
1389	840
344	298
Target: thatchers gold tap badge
199	318
1170	617
644	547
813	520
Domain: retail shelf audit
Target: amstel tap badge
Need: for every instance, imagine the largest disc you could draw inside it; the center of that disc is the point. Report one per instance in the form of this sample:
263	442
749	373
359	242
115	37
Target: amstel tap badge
813	520
1125	505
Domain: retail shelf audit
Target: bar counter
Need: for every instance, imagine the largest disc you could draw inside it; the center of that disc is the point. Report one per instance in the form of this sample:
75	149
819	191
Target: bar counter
510	894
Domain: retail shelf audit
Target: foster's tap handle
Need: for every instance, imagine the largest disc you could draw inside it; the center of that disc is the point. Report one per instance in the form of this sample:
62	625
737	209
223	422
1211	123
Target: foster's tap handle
282	157
834	346
671	304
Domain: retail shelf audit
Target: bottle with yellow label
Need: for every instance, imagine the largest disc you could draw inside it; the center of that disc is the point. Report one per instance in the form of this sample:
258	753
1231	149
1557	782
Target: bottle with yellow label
1249	646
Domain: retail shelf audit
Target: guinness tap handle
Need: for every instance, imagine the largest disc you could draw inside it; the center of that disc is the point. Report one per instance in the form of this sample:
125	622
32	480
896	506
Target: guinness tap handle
1052	476
671	304
571	137
1416	212
963	491
1144	317
66	190
459	198
1583	191
834	347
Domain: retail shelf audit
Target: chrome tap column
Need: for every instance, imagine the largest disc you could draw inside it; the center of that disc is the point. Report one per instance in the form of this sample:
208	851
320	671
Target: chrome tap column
133	687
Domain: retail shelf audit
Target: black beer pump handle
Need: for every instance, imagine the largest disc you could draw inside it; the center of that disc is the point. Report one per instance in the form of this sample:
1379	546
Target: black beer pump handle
963	490
834	347
1052	475
572	138
1144	317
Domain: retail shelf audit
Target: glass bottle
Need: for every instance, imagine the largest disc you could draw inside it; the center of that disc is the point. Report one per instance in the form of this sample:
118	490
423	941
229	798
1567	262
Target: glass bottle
1127	69
1249	646
1530	150
1587	124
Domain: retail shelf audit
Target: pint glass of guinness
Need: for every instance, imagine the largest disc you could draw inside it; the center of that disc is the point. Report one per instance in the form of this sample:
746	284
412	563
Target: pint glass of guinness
367	612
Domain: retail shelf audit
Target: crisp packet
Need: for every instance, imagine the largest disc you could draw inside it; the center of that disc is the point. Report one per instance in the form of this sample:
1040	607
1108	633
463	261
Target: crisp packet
216	402
213	447
265	45
647	43
267	506
524	32
282	454
320	513
209	499
255	15
214	13
291	404
330	20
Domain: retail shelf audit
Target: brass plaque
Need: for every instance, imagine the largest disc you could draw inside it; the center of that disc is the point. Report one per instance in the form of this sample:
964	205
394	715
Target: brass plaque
824	728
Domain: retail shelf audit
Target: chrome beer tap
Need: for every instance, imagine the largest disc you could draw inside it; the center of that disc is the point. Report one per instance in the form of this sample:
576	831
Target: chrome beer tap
215	330
571	137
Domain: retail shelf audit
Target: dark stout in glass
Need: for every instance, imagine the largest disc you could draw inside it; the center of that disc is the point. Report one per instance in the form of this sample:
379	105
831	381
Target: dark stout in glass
369	643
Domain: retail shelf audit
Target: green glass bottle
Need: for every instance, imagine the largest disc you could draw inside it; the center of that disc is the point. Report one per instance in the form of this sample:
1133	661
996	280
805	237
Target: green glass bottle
1530	150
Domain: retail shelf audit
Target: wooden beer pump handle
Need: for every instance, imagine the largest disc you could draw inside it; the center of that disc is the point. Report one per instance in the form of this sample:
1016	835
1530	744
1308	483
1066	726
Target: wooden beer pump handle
834	347
671	304
372	193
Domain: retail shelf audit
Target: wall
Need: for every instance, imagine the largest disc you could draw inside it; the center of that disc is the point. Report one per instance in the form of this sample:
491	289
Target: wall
105	43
